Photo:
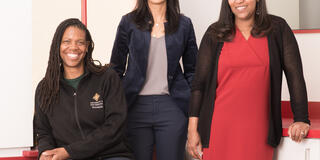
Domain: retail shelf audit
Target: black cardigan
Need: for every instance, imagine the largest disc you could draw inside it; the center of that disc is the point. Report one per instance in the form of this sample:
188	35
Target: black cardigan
284	56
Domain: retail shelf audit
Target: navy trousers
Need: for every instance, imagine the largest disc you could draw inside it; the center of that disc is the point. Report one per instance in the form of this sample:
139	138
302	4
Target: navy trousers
155	121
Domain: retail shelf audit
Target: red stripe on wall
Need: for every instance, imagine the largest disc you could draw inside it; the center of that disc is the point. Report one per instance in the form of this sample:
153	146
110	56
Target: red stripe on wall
314	110
84	11
17	158
26	155
307	31
314	131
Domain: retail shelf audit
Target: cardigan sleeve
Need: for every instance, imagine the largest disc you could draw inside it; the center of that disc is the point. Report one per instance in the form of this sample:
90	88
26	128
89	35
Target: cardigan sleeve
292	67
120	48
203	70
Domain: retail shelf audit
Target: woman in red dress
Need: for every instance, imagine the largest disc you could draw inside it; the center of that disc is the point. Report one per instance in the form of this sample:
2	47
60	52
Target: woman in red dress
235	111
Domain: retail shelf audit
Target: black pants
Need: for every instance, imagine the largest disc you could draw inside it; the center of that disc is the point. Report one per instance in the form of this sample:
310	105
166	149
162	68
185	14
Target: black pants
156	121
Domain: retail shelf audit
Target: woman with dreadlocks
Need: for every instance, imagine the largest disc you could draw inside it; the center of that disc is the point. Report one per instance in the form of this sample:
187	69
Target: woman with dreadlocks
80	108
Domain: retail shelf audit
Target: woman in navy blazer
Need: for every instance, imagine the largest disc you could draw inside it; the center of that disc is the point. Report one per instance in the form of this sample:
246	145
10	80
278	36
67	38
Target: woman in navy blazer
150	41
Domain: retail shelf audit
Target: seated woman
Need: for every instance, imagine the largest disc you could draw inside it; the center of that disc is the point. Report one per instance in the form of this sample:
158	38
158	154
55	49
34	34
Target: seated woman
80	108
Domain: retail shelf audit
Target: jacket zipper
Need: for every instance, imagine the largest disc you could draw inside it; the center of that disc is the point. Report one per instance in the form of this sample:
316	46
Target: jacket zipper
76	114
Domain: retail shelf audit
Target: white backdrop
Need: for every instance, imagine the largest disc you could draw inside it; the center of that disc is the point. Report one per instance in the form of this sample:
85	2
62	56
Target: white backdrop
203	13
103	20
16	111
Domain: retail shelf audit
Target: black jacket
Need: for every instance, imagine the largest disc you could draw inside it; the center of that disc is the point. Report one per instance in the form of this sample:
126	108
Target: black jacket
131	48
88	122
284	56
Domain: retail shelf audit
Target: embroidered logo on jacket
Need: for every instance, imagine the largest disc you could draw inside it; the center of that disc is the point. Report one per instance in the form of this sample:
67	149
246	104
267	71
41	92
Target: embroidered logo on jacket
97	103
96	97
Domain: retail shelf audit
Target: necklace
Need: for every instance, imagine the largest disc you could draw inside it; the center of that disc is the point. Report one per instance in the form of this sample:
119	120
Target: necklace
158	28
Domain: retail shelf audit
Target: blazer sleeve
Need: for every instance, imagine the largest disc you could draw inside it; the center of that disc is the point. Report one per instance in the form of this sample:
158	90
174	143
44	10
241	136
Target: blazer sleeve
42	128
189	55
111	131
292	67
120	48
202	71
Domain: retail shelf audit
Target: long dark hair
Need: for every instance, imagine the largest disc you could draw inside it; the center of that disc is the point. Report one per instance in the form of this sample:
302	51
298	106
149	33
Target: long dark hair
48	90
142	16
224	28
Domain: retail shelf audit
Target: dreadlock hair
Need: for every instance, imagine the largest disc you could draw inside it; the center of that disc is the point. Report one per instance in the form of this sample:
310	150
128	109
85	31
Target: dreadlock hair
224	29
143	18
48	90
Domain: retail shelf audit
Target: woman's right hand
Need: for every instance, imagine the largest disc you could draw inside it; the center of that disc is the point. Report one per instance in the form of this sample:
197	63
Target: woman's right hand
194	145
45	157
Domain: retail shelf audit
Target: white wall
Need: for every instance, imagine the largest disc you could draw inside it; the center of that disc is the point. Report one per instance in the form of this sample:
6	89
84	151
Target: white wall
287	9
24	63
103	20
16	111
46	16
202	13
309	14
310	55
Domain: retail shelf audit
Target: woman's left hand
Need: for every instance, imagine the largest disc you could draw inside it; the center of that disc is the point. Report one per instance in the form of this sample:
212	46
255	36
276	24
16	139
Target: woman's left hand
298	130
58	154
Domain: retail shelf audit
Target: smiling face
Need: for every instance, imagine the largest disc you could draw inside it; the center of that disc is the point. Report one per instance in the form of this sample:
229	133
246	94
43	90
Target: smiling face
73	48
243	9
156	1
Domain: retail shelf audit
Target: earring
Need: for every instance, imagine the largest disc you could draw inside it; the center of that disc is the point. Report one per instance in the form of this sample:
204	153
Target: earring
257	8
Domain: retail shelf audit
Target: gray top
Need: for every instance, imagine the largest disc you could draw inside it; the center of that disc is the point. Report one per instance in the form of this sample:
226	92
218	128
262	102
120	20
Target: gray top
156	78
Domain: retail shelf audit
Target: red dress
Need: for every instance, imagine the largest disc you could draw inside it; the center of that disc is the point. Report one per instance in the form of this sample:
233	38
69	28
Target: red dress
239	127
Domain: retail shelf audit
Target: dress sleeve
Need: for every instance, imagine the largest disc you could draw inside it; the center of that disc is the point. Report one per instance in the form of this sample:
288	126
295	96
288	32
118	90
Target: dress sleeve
120	48
292	67
203	68
111	131
42	128
189	55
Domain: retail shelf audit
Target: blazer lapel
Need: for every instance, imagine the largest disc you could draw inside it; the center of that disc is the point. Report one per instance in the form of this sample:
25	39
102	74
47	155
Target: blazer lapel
173	43
142	50
170	54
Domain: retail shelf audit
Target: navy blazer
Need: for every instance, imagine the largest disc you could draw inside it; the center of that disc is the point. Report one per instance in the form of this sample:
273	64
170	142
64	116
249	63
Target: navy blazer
130	58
